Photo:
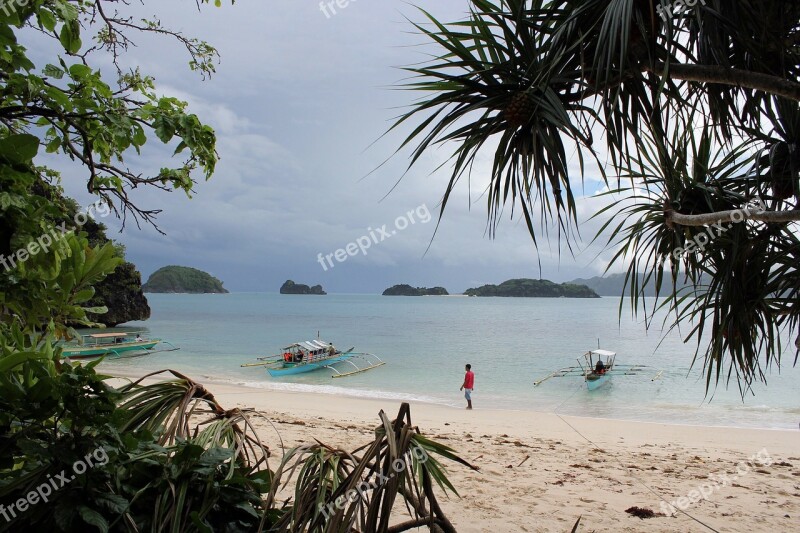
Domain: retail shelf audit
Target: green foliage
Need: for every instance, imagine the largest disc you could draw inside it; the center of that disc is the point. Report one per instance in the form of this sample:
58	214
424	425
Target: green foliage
336	489
179	279
165	456
161	456
41	292
53	415
121	291
533	288
58	419
84	117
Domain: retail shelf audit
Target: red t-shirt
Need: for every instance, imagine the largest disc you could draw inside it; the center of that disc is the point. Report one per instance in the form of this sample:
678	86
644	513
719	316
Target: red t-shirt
469	380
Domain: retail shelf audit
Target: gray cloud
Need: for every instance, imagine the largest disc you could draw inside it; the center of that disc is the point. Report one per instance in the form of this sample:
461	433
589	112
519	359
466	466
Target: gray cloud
297	101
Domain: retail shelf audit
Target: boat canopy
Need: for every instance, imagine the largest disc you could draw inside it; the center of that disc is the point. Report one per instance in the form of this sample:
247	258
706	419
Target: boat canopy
603	353
111	335
309	345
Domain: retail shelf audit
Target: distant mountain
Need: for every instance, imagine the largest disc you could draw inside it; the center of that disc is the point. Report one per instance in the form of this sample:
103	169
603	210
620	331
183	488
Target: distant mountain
183	280
614	284
290	287
408	290
534	288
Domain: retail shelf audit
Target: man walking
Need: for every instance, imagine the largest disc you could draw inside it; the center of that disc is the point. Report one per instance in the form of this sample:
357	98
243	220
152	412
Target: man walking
469	384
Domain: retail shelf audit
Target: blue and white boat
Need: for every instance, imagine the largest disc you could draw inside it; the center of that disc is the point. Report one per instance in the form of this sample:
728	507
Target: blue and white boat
596	374
108	344
307	356
597	367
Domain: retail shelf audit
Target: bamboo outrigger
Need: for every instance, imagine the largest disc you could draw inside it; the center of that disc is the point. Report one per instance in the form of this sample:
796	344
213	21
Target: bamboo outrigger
597	367
113	344
307	356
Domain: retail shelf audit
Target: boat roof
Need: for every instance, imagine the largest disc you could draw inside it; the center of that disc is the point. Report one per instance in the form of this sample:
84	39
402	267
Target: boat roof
604	353
310	345
111	335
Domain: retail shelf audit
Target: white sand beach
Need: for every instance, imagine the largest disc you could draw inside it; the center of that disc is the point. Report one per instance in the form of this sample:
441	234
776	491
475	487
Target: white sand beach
539	472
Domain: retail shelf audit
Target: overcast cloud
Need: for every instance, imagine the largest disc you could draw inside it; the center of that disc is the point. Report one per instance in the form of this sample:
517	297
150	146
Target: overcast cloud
297	102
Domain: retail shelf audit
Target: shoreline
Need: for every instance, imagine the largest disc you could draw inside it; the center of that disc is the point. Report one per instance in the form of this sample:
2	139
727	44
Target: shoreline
122	373
541	471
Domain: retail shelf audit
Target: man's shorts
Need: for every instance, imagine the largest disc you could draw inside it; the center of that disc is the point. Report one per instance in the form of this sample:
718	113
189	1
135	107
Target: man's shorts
468	394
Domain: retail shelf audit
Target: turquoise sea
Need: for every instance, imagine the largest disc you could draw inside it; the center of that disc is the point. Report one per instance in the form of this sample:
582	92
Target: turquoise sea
426	341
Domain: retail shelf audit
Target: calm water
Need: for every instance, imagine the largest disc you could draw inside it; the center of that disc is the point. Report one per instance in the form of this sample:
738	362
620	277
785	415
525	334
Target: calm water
427	340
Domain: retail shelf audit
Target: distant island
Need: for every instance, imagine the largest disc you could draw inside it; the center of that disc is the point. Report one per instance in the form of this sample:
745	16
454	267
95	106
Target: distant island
613	285
408	290
290	287
534	288
183	280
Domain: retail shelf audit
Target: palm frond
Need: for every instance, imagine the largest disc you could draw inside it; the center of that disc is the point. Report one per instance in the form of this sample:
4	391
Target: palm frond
339	491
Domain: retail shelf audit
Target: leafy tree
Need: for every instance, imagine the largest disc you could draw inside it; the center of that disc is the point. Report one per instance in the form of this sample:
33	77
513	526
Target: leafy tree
82	116
55	414
691	117
77	453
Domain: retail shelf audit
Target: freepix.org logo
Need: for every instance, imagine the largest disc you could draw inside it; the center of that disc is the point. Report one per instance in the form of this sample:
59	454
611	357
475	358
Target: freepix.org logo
374	236
669	10
42	493
45	242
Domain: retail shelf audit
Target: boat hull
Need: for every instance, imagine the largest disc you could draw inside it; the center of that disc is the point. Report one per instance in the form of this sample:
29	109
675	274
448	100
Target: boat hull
595	382
83	352
290	369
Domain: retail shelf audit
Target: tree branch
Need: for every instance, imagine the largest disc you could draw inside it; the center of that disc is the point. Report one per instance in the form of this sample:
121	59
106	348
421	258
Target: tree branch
414	524
758	81
735	215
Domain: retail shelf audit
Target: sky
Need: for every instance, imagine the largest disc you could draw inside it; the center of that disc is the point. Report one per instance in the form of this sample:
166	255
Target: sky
300	102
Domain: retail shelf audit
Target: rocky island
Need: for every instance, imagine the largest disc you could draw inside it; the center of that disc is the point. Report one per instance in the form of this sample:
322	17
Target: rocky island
290	287
183	280
121	293
534	288
408	290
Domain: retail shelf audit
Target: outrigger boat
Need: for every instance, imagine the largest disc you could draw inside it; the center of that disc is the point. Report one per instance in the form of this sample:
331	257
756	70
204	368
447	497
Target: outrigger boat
100	344
597	367
307	356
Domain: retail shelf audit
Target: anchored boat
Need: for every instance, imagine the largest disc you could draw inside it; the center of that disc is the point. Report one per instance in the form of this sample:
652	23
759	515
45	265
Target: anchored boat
307	356
100	344
597	367
598	374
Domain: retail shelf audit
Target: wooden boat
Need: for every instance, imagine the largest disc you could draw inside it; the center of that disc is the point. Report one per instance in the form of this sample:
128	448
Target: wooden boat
597	367
307	356
598	374
100	344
